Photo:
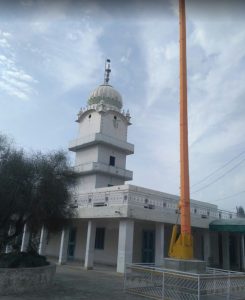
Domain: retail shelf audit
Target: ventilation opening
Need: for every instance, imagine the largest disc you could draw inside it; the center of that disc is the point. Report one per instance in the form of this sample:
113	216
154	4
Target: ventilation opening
100	204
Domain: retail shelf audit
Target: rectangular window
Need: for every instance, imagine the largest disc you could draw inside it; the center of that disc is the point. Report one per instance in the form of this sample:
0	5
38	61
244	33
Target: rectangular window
112	161
99	238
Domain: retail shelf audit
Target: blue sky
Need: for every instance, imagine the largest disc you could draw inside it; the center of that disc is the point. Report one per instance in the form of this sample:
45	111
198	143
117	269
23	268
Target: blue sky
52	56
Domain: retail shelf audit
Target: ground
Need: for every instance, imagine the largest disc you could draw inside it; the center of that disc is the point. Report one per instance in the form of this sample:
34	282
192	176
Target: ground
73	283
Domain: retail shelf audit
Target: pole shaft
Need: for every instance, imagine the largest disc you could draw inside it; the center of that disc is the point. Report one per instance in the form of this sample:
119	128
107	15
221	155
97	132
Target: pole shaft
184	159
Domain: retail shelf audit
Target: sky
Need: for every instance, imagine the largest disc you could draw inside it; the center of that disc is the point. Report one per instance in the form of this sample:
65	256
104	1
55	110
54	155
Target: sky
52	56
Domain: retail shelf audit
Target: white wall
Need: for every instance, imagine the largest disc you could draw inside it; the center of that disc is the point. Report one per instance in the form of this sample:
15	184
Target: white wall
104	180
81	237
86	155
109	254
53	244
115	128
86	183
90	125
106	256
104	156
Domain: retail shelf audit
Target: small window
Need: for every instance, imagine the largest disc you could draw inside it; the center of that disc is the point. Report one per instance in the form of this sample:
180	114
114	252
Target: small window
112	161
99	238
110	184
115	117
89	116
99	204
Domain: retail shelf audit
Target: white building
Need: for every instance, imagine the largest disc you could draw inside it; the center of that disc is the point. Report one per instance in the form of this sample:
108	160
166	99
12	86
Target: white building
119	223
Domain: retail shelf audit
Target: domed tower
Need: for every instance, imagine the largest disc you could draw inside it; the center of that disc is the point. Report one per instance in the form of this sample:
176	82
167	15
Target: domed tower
101	147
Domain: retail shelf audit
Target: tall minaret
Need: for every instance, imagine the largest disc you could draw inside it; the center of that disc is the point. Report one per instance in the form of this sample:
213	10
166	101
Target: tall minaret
101	147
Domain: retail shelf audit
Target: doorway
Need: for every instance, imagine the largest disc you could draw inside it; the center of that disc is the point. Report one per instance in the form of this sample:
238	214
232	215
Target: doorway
71	243
148	246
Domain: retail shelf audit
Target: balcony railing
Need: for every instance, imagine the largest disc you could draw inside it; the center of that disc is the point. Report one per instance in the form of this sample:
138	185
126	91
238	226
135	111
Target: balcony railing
104	168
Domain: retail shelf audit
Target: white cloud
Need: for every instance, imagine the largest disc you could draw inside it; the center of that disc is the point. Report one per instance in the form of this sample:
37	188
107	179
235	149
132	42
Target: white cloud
126	58
160	53
13	79
216	96
4	43
216	91
68	52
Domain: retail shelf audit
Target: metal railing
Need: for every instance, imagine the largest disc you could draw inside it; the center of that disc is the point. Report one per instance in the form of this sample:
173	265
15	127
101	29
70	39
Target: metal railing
159	283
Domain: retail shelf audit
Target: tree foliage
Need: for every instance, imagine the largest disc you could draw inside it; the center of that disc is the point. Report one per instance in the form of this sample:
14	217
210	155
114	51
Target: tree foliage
35	189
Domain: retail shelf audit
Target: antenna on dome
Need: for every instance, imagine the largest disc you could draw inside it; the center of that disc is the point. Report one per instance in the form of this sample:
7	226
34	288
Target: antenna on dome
107	71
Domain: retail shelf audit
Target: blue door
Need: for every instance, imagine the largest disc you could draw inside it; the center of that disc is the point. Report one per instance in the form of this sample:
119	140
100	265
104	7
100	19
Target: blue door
148	246
71	243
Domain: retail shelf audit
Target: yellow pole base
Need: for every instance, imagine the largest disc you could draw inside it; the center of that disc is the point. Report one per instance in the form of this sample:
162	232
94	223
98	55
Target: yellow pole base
183	247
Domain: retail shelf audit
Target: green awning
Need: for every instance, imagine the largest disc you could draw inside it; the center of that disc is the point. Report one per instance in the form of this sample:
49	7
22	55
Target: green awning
228	225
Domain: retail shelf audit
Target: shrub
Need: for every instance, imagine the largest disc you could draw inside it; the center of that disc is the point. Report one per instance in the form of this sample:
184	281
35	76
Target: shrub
22	260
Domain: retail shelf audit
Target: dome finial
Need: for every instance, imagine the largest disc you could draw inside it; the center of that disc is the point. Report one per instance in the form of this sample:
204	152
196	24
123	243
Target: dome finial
107	71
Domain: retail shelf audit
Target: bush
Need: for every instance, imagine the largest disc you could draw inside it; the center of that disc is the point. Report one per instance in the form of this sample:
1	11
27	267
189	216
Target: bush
22	260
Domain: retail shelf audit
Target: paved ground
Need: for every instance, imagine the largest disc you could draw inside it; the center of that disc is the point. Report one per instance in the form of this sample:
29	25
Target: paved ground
74	283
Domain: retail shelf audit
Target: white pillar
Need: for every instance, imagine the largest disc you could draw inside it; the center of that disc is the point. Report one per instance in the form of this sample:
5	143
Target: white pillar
242	252
159	244
89	254
63	246
226	250
125	244
43	241
207	246
25	239
9	247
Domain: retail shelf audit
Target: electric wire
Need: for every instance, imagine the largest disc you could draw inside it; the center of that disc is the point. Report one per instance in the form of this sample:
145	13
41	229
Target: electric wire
217	179
218	169
230	196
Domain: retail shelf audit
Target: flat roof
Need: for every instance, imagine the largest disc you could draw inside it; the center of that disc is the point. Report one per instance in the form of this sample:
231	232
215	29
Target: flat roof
228	225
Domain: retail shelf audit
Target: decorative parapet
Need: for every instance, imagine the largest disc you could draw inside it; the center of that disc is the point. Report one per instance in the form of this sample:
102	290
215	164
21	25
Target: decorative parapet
147	203
101	107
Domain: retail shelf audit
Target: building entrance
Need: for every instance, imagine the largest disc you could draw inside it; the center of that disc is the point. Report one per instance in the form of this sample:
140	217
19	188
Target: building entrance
148	246
71	243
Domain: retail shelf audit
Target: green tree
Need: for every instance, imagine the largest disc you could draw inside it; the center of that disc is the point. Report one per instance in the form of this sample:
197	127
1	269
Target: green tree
35	189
